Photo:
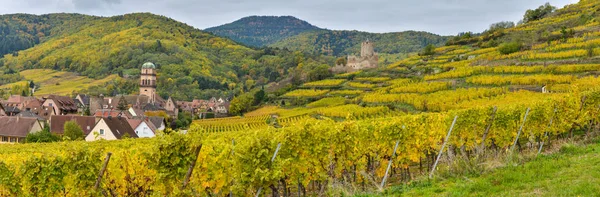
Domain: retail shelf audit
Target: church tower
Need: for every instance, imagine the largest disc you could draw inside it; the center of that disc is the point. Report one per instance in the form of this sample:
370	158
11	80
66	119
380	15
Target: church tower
148	81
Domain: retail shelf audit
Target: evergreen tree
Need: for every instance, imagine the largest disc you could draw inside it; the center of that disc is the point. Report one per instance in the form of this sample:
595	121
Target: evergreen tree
123	105
86	111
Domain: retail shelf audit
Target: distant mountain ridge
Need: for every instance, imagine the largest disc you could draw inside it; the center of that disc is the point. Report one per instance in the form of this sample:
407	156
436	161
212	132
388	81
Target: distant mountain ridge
260	31
298	35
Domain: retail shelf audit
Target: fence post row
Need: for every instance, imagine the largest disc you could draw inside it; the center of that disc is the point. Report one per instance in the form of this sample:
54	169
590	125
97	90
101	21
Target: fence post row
102	170
442	149
272	159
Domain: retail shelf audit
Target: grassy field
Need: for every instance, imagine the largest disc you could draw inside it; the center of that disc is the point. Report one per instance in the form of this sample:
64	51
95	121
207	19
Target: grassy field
572	171
57	82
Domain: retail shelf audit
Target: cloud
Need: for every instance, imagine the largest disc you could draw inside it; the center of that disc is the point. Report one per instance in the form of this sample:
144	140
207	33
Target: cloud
446	17
86	5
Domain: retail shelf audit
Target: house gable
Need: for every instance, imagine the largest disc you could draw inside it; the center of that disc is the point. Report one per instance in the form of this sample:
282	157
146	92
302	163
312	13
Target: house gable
95	134
144	130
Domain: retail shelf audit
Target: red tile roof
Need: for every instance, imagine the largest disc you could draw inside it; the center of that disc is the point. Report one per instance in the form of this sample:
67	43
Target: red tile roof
86	123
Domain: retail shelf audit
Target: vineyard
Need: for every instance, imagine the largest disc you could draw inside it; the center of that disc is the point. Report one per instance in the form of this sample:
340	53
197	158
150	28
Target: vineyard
361	131
240	162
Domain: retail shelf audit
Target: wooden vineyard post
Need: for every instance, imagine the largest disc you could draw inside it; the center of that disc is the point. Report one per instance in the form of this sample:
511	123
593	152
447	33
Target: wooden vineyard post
519	133
389	165
546	133
487	130
102	170
232	154
272	159
191	169
442	149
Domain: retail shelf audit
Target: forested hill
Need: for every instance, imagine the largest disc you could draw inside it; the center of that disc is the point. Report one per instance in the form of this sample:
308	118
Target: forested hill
260	31
22	31
187	58
340	43
298	35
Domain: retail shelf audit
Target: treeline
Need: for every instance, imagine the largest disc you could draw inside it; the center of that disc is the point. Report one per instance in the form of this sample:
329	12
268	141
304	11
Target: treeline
339	43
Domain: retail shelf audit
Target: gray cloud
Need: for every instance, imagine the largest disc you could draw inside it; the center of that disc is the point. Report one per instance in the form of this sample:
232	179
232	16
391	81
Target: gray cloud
86	5
446	17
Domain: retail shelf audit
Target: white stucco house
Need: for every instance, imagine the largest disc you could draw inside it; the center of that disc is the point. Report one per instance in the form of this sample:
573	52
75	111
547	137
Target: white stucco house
111	128
142	128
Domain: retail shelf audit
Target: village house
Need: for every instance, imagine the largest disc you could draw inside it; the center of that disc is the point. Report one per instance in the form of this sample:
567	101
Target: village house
20	102
57	123
142	128
220	107
112	113
135	112
61	105
111	128
29	114
15	129
17	104
158	122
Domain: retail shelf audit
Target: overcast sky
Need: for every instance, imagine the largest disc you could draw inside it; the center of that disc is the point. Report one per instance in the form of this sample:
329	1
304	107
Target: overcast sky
445	17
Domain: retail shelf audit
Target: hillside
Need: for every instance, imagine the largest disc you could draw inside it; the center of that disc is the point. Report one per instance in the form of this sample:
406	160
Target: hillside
58	82
340	43
259	31
187	58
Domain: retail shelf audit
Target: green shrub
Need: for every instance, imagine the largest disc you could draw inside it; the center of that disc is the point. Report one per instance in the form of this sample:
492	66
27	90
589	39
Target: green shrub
511	47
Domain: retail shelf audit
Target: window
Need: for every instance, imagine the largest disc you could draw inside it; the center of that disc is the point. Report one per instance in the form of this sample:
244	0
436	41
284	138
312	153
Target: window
136	132
50	104
13	139
101	131
4	139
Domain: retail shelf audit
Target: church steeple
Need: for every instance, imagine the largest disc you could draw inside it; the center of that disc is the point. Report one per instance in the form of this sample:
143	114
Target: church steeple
148	81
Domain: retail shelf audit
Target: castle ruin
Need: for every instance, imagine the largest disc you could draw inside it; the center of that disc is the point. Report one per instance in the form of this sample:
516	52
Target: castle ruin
368	59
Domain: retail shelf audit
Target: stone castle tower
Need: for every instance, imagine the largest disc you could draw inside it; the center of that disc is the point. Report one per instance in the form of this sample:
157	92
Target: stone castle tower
148	81
367	49
368	59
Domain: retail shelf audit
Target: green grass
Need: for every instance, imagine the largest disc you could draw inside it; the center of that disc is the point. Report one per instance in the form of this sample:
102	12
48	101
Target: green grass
573	171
